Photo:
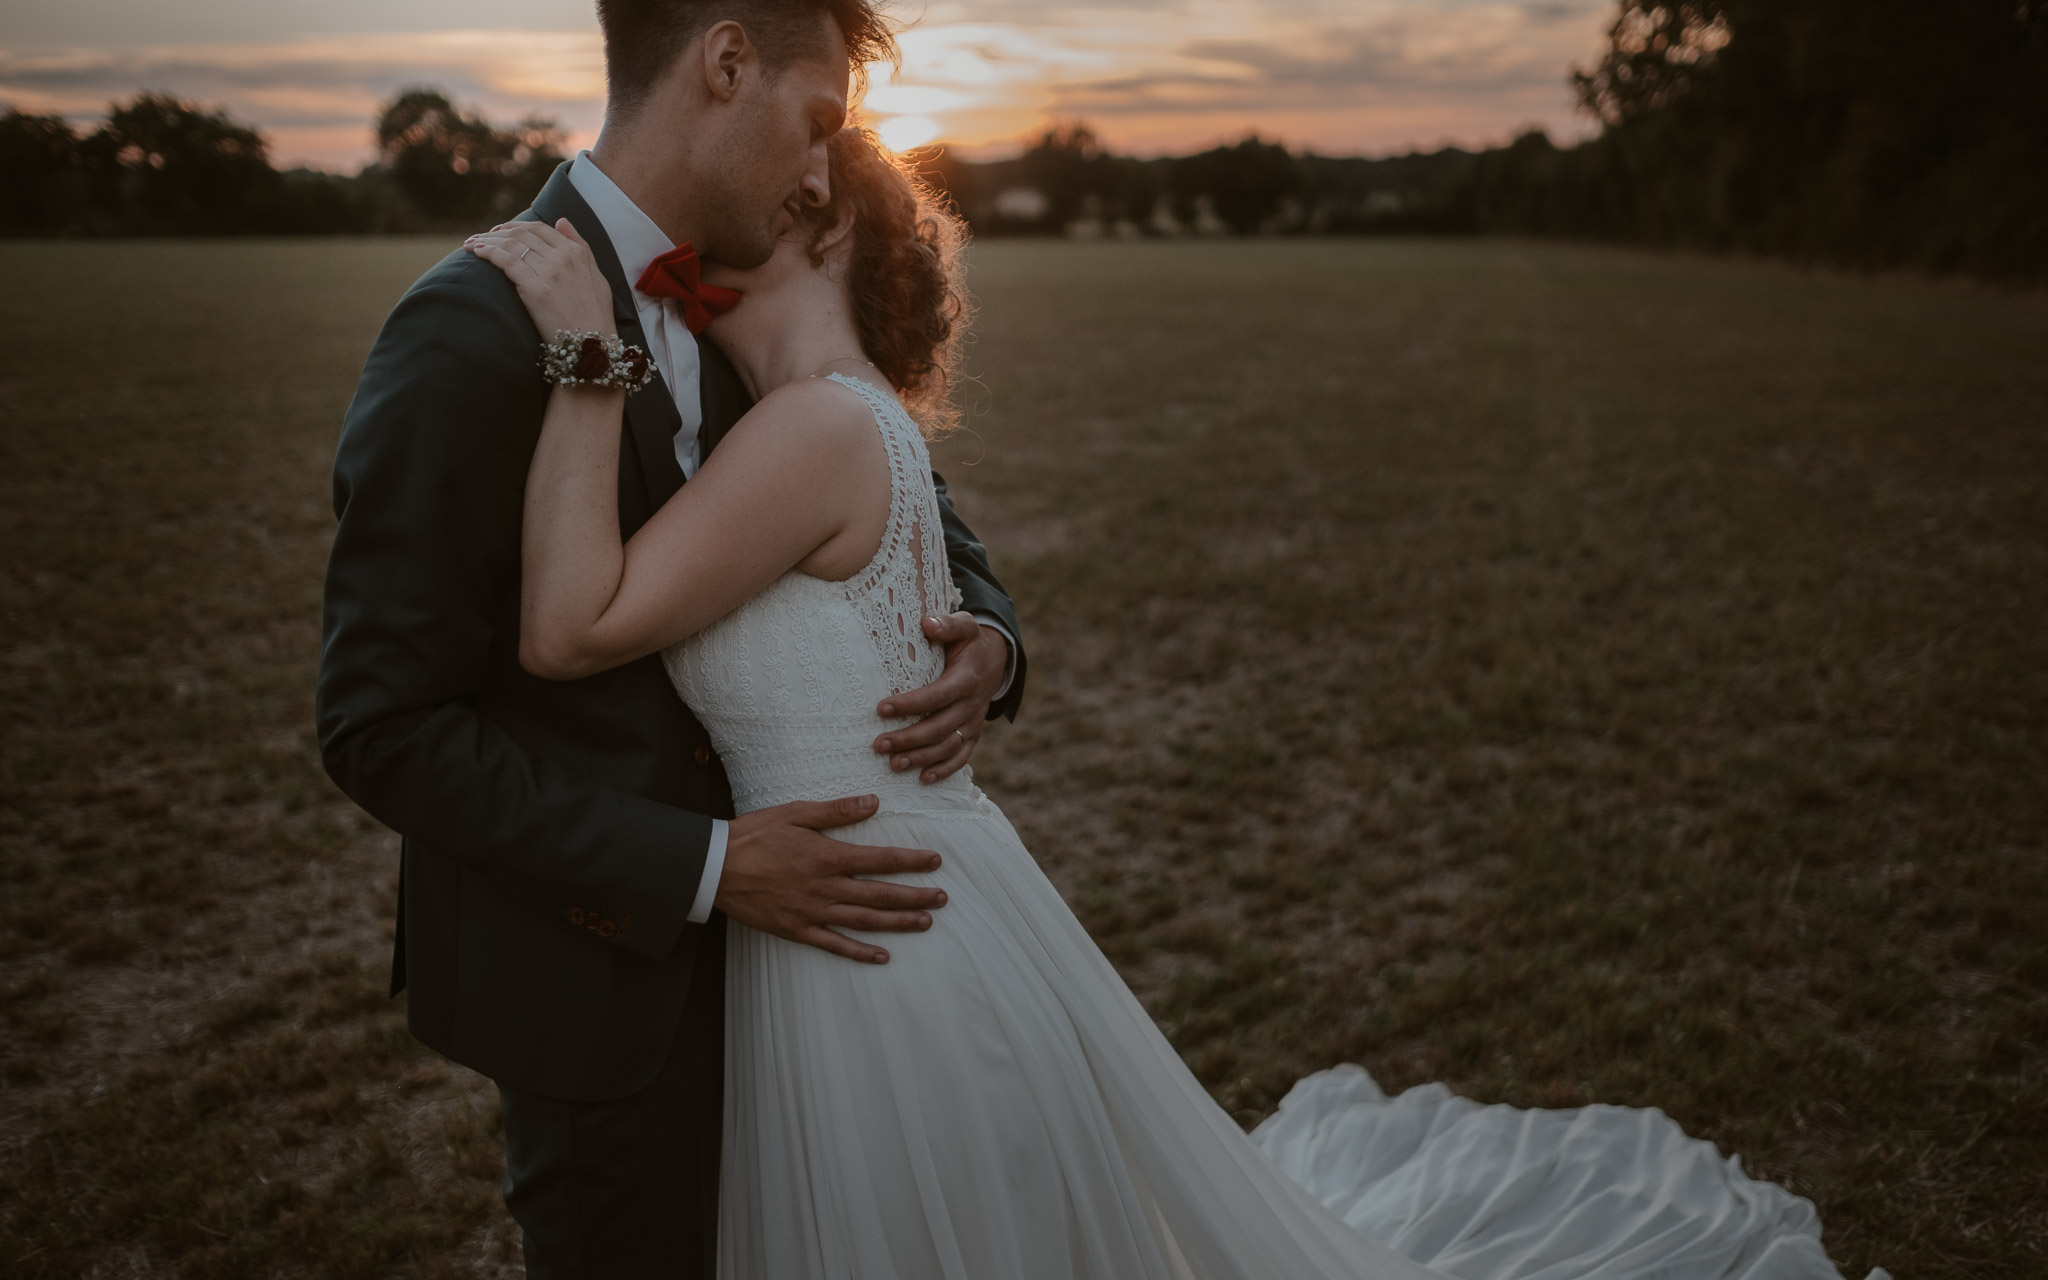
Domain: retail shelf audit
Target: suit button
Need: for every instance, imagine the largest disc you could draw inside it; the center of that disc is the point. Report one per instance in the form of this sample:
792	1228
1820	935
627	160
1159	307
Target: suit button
606	929
575	915
702	755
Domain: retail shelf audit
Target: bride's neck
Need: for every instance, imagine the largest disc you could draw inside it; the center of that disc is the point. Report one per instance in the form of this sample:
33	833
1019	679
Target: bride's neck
770	351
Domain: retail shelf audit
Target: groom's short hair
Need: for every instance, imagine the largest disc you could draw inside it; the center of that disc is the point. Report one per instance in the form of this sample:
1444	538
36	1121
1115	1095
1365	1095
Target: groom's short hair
643	38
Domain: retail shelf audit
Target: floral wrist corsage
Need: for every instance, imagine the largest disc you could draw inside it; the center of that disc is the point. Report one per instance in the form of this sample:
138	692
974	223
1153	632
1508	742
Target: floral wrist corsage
577	358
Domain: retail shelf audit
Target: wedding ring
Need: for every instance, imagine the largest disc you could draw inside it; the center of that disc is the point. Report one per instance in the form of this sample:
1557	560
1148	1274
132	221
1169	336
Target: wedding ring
523	252
960	735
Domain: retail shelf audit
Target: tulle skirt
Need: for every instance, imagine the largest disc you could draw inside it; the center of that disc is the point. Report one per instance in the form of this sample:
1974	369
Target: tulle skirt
994	1104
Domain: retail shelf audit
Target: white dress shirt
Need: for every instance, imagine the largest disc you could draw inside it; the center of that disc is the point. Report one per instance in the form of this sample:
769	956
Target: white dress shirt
674	348
638	241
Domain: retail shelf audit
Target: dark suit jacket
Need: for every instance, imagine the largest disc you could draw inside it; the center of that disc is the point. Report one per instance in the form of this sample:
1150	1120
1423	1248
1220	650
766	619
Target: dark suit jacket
554	833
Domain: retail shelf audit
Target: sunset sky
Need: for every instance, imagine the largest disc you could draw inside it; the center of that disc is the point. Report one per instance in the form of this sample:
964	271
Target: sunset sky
1152	76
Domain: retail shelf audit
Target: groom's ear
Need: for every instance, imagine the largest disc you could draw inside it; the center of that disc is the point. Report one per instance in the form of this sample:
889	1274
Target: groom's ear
729	58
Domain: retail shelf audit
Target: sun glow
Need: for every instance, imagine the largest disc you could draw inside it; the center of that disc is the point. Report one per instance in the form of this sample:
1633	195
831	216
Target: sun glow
902	133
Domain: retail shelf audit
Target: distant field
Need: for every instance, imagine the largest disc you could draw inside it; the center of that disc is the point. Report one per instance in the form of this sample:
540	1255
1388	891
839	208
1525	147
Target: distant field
1572	674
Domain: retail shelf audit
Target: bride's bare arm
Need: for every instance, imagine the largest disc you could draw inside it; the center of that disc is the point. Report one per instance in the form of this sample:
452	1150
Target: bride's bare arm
784	490
785	485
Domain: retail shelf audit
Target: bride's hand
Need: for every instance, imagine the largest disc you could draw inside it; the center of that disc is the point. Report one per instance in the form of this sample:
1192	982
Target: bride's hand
556	274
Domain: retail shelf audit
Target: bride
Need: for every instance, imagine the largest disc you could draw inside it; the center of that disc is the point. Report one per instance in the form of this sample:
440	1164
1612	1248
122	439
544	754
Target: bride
994	1104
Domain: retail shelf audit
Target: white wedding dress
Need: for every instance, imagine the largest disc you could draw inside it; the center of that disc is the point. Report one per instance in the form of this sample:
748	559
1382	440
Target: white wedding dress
994	1104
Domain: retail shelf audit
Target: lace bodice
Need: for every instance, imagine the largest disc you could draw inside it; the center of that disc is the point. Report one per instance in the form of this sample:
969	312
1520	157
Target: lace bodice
787	683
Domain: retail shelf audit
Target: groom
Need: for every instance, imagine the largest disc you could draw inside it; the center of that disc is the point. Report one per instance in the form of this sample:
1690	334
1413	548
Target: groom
569	853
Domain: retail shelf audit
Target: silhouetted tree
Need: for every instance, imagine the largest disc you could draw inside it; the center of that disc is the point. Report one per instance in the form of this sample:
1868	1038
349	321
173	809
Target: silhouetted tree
1132	190
1075	176
1246	185
537	147
42	176
163	165
1065	165
1868	132
1656	52
456	167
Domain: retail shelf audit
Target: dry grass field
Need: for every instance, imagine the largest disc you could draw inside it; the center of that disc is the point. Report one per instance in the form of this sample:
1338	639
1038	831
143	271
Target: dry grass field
1572	674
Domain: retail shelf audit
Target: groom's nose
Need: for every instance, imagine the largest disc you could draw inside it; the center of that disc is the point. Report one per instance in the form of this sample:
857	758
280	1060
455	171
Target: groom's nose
815	189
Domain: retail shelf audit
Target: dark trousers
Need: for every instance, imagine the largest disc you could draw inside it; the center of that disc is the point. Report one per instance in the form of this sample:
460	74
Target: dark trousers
629	1188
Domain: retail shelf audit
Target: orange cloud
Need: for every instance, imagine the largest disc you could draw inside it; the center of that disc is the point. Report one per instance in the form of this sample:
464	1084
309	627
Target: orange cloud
1338	75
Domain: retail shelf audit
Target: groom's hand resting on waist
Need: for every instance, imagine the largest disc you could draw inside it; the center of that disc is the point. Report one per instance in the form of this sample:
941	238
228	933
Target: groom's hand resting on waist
954	706
782	877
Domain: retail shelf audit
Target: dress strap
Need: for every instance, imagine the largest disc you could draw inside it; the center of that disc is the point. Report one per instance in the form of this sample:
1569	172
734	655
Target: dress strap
909	463
890	415
909	576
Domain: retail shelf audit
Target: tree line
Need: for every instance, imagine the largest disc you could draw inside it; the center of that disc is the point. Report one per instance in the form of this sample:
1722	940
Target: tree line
1870	133
1867	133
163	166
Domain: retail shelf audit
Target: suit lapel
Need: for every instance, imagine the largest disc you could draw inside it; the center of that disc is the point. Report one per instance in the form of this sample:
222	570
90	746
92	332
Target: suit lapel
651	417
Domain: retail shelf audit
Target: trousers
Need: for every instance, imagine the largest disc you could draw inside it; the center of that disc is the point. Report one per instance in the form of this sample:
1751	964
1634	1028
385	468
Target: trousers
629	1188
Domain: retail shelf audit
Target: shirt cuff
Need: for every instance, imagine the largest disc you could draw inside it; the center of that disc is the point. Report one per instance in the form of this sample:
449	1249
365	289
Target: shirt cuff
714	868
1009	671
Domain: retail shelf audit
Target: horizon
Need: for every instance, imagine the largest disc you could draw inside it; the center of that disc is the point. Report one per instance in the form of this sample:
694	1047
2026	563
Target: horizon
1150	77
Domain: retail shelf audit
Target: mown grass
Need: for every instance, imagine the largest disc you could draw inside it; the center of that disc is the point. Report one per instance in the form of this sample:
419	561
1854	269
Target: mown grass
1576	675
1571	674
202	1074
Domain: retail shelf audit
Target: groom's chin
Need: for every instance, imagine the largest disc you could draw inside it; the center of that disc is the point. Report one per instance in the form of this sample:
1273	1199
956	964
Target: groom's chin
738	254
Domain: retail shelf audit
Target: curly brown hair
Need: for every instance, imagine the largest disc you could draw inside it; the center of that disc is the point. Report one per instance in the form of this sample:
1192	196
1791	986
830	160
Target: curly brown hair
910	301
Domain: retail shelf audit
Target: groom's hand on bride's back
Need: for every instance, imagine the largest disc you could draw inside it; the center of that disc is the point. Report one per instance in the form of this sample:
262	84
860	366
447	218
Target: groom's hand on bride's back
954	707
782	876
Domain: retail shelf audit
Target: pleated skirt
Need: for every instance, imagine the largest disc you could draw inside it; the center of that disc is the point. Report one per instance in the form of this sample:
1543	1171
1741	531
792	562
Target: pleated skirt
994	1104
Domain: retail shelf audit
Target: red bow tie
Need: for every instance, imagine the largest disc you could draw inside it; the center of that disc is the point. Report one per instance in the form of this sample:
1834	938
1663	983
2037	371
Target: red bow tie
674	275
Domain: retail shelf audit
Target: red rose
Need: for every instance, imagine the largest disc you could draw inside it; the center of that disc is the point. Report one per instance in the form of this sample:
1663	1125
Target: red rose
636	366
592	362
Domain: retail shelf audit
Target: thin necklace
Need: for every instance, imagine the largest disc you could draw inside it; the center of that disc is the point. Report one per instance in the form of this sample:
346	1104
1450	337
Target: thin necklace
821	369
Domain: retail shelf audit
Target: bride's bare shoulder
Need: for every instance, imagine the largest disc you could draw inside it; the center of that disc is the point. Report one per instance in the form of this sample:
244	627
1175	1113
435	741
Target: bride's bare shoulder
814	417
813	451
809	431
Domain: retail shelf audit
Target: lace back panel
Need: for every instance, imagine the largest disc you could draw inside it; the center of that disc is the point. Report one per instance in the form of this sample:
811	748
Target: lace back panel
787	683
908	574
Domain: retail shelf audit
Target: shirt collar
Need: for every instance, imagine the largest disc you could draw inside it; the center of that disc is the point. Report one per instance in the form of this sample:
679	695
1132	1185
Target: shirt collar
635	237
